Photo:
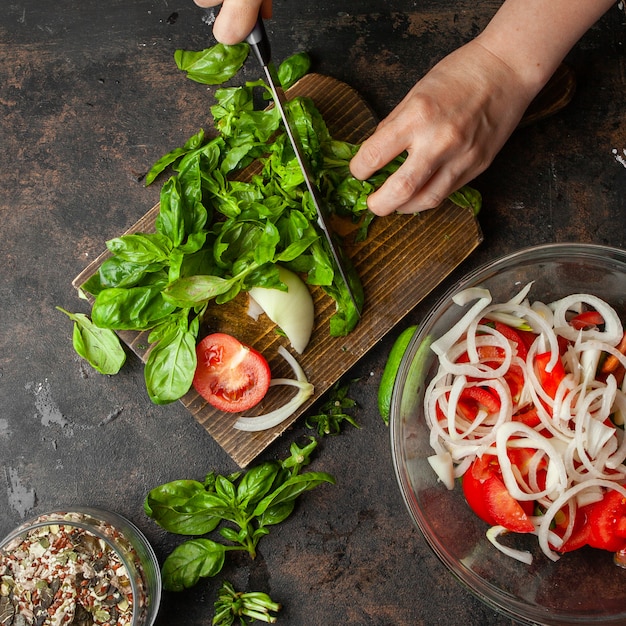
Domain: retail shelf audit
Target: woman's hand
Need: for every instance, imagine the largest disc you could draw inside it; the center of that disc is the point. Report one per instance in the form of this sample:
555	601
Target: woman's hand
452	124
236	17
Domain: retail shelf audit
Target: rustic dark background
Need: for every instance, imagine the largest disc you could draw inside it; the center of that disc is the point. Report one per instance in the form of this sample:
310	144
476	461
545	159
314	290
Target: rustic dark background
90	97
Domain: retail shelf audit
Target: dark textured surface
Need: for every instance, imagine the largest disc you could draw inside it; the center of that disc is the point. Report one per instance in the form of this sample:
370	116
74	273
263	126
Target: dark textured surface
90	97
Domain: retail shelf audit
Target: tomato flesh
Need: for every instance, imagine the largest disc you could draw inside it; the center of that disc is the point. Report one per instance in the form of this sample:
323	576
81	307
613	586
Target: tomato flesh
230	376
489	498
607	522
580	533
587	319
550	381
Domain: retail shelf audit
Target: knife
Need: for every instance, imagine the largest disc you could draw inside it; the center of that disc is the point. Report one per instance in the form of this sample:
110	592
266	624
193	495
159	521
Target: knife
259	42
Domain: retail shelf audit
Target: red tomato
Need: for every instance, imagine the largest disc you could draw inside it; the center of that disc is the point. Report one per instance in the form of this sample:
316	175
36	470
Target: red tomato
607	522
473	487
580	534
481	397
488	497
527	415
515	380
587	319
514	337
230	376
550	381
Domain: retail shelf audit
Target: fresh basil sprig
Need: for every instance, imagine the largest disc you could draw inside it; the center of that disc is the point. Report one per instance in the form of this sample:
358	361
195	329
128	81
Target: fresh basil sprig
240	507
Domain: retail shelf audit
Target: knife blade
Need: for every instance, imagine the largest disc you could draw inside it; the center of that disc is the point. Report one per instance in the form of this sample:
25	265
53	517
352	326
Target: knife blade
259	42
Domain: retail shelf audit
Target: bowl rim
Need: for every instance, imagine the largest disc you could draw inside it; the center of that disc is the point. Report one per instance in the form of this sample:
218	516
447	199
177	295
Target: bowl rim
502	602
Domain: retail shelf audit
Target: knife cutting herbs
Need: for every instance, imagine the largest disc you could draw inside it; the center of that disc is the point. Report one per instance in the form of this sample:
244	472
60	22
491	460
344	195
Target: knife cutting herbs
220	232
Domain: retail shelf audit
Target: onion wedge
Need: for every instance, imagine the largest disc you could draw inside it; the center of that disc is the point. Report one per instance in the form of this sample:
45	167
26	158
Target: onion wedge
291	310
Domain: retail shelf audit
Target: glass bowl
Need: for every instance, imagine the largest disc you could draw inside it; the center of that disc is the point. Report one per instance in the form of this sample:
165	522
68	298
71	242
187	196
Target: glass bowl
90	565
584	586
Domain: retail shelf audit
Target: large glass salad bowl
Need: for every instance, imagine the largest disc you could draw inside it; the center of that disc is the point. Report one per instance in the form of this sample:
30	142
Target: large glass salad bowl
583	586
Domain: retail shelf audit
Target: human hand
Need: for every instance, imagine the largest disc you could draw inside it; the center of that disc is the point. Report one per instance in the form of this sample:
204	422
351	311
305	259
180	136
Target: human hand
236	17
452	124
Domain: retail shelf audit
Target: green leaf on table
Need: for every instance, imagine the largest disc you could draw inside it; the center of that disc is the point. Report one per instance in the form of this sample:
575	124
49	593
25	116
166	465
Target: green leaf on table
192	560
99	346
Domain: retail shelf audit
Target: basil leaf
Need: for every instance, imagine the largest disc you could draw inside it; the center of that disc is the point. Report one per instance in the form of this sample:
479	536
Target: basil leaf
141	248
256	482
170	221
181	507
192	291
292	488
99	346
214	65
170	366
116	272
171	157
195	559
292	69
467	197
137	308
277	513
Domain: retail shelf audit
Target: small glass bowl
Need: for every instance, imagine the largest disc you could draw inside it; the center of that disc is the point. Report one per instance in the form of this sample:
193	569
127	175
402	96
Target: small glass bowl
584	586
118	568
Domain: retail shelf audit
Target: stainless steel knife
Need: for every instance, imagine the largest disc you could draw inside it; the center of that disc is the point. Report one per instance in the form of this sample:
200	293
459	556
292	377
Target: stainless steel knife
260	44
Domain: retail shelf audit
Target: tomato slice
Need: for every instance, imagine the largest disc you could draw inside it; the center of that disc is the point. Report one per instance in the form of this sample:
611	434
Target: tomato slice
230	376
607	522
550	381
481	398
528	415
587	319
515	380
473	488
489	498
514	337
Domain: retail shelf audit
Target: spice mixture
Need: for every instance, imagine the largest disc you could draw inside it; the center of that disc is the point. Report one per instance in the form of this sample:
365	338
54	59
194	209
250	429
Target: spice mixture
62	575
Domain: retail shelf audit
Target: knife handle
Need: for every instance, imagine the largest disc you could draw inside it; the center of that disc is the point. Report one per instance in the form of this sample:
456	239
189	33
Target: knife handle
260	43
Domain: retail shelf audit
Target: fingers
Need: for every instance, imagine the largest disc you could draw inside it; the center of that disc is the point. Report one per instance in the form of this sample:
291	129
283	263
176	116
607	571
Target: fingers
450	126
236	17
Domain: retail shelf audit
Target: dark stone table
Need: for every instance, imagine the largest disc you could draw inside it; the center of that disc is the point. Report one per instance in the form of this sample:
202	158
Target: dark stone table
90	98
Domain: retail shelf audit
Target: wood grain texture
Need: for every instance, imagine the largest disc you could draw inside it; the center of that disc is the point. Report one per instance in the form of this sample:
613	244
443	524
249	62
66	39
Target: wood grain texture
404	258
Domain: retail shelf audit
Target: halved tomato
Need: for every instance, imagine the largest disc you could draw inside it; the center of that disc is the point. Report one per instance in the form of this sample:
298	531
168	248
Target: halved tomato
489	498
230	376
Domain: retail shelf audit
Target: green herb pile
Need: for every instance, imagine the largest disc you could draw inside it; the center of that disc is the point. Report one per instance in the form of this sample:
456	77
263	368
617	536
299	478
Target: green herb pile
223	226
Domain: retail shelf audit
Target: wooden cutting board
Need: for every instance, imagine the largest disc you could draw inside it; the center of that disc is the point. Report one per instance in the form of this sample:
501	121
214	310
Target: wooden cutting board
403	259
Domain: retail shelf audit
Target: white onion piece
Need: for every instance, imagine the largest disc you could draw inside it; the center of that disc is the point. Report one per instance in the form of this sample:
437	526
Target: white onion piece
444	468
443	344
273	418
613	330
292	310
522	294
520	555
